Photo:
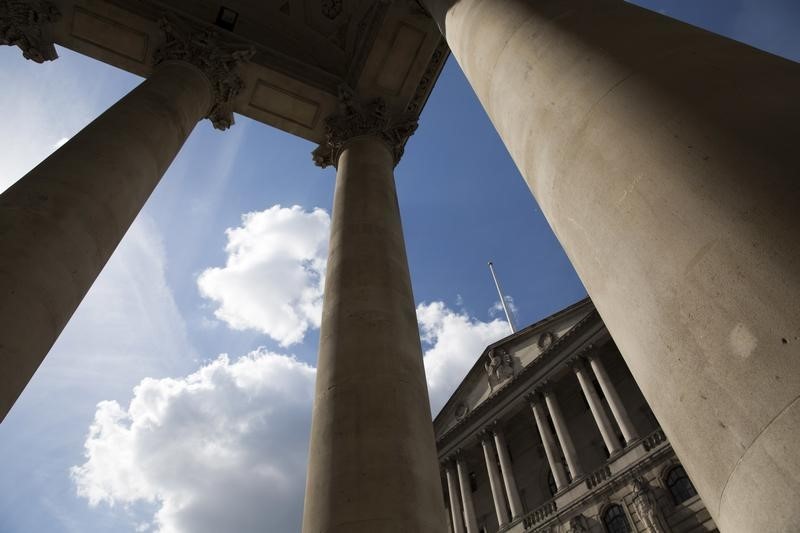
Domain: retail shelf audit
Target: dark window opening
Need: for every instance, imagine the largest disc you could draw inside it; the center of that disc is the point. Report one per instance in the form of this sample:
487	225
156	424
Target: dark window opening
679	485
615	520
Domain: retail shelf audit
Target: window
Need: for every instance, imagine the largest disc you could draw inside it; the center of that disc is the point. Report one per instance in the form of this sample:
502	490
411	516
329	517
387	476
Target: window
615	520
551	483
679	485
473	482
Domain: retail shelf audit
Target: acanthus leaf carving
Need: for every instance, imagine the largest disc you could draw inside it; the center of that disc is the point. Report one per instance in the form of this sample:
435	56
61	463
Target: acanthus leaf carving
357	119
217	59
26	24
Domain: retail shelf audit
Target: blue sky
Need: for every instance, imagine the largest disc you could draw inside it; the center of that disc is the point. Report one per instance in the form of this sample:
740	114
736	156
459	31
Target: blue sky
135	423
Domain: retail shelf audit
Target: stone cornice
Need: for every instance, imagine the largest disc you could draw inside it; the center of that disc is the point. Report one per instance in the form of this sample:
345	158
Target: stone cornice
217	59
26	24
359	119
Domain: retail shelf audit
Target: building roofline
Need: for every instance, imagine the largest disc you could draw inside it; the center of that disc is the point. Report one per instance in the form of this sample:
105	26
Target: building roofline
524	332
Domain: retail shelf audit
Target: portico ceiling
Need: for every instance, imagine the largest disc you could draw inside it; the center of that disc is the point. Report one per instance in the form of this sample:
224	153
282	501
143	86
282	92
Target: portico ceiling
304	50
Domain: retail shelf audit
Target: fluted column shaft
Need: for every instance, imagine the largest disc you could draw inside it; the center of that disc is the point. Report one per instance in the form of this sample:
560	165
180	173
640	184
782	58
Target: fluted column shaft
665	159
509	482
494	482
562	432
61	222
598	411
372	458
614	401
470	520
550	447
455	501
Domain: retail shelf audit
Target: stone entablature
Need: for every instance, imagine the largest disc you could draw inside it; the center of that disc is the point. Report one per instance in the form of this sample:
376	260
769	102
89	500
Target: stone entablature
303	50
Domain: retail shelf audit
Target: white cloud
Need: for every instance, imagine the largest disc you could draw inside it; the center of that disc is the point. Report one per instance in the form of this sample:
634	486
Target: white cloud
222	449
274	274
453	341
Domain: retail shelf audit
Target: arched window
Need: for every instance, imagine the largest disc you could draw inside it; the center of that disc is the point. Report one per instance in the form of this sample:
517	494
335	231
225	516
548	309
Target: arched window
615	520
679	485
551	483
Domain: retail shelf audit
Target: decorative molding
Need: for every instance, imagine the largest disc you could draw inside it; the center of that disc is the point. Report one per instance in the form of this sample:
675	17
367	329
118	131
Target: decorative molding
358	119
331	8
26	24
218	60
428	78
546	339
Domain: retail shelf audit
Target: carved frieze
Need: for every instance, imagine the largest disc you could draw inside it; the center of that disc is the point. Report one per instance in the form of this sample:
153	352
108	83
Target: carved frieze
357	119
217	59
26	24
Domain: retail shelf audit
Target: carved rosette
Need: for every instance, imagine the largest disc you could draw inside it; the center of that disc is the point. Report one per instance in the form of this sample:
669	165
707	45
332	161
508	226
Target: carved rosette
358	119
217	59
26	24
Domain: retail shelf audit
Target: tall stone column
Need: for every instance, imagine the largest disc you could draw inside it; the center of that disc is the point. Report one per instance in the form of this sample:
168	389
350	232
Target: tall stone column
509	482
665	159
494	479
455	501
470	520
601	419
614	401
564	437
372	459
28	24
60	223
551	450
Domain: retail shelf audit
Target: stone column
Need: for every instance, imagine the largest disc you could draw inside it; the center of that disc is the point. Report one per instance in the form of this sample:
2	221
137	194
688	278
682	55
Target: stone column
564	438
60	223
614	401
607	430
509	482
28	24
665	159
548	441
455	502
372	458
470	520
494	479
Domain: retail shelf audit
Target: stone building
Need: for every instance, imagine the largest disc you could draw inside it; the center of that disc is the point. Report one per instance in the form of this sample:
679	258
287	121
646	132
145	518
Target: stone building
663	156
549	432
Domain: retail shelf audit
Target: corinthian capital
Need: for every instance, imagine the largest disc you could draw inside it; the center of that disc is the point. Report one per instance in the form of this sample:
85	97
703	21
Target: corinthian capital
218	60
26	23
357	119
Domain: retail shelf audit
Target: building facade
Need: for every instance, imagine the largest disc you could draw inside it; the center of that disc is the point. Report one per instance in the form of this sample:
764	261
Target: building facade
549	432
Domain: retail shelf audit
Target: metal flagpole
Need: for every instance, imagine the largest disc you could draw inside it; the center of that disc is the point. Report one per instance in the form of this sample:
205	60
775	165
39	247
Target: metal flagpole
502	298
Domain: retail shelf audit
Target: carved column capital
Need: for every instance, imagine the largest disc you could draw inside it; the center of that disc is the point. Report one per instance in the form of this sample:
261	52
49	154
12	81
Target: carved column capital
26	24
216	59
357	119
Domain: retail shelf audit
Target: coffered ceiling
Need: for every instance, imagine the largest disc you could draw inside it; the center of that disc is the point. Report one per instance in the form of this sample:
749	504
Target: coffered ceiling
305	49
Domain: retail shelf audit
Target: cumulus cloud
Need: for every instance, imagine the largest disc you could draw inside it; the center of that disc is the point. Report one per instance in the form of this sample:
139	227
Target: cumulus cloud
222	449
452	342
274	274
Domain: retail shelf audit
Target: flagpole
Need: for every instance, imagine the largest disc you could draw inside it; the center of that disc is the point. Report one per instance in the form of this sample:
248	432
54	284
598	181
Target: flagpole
502	298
